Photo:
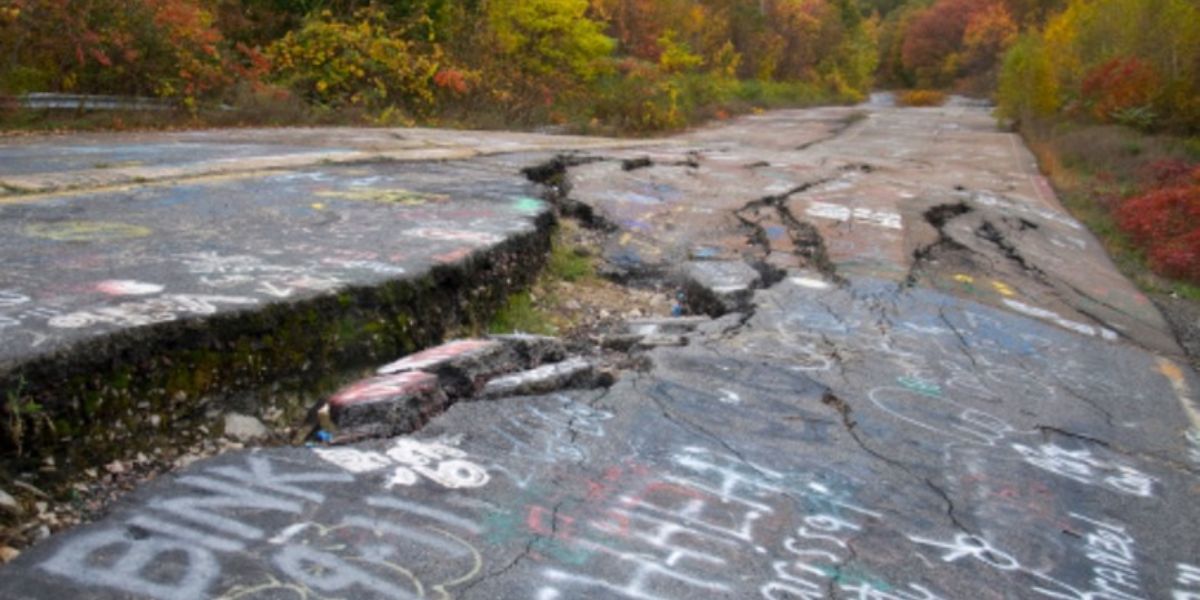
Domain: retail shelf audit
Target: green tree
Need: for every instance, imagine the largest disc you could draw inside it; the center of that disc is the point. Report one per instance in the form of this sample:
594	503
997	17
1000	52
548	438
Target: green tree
1028	88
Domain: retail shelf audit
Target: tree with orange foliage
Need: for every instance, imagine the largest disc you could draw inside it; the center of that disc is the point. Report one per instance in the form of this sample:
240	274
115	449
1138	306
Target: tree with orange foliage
989	33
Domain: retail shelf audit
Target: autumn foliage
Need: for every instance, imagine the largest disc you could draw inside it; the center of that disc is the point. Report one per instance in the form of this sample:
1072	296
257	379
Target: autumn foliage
165	48
362	61
921	98
946	43
1166	221
1117	86
1134	62
646	63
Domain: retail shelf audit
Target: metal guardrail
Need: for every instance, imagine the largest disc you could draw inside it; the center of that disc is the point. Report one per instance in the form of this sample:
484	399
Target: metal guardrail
51	101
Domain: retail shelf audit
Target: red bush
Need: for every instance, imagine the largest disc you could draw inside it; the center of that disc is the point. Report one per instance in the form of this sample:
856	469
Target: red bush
1166	221
1178	257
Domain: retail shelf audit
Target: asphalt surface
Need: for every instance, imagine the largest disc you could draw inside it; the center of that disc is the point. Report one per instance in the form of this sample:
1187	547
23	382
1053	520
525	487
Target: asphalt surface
925	381
82	266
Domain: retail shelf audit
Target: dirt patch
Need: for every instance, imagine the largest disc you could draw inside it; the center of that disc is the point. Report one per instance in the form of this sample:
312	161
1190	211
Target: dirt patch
1184	318
583	307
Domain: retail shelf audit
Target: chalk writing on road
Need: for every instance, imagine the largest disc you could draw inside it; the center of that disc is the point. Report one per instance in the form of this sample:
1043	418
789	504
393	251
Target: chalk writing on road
410	460
146	312
1081	466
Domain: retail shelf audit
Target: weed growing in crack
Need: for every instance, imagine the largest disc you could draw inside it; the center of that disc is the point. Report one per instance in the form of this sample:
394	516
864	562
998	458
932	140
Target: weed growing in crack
520	314
20	414
566	263
569	264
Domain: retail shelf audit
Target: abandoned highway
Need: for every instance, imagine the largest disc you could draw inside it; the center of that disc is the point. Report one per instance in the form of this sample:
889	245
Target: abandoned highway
904	372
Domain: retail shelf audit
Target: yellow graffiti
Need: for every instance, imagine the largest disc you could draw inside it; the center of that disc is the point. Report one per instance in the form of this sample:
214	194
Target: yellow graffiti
86	231
1174	374
273	585
31	195
625	237
476	568
318	206
391	196
1002	288
967	279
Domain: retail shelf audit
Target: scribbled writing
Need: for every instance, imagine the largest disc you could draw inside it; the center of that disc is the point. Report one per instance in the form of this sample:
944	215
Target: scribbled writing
1081	466
410	460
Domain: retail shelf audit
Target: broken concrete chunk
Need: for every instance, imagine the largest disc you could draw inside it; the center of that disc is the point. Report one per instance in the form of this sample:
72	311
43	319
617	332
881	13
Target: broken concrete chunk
675	325
431	359
244	428
571	373
387	405
718	287
462	366
534	350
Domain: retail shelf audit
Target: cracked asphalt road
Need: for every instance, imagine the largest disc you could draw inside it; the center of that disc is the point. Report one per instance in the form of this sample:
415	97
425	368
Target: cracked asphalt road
929	383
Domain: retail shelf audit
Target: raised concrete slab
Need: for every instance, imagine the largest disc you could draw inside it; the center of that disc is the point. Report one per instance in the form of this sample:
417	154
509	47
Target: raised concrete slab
387	405
132	314
85	265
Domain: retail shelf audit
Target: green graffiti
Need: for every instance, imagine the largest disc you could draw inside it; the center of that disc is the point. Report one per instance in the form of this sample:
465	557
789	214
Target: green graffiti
921	386
851	577
529	206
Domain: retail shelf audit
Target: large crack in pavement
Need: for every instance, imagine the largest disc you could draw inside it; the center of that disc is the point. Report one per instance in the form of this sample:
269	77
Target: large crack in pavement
988	231
938	217
846	412
552	175
808	243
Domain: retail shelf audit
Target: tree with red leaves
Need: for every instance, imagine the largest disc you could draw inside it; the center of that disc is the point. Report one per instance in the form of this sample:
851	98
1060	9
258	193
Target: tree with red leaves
1118	85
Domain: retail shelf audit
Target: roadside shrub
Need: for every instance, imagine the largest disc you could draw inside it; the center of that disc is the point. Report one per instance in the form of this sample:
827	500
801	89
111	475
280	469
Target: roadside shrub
640	98
921	98
363	62
772	94
1166	221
